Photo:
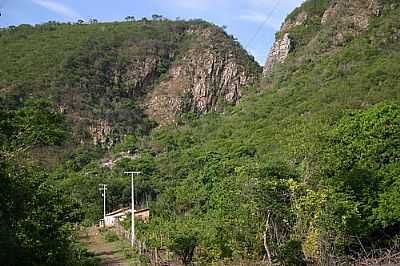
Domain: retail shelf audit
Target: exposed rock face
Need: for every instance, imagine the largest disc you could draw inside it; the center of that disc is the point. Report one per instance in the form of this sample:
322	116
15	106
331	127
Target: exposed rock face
299	20
350	18
137	74
198	81
355	13
278	53
346	19
195	68
100	131
282	46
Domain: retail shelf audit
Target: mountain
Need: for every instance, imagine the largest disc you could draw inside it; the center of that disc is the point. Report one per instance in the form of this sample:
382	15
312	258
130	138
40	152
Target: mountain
71	92
303	170
112	79
297	167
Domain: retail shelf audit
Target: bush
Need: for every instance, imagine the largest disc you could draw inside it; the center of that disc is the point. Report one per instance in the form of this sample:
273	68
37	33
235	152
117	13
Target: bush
183	244
110	236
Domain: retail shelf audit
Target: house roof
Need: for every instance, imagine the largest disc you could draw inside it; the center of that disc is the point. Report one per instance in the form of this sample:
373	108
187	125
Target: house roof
122	210
126	210
142	210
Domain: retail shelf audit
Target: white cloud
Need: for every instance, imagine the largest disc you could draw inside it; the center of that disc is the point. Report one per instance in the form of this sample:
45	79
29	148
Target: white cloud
58	8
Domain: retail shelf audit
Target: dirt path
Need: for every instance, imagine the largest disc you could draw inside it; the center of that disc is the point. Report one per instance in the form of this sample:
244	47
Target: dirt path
104	250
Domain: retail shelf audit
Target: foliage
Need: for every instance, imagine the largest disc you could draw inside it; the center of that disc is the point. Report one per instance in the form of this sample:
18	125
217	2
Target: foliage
36	219
183	243
92	85
316	154
365	161
110	236
305	170
31	125
311	7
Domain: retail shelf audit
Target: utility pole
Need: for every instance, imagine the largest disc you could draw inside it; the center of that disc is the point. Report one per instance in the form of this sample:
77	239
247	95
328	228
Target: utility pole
133	237
104	188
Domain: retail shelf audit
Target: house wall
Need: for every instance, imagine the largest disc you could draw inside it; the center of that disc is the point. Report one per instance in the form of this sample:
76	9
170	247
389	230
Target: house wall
110	221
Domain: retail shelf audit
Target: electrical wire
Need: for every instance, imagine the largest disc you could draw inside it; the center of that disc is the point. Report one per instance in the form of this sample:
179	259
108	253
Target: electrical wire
263	24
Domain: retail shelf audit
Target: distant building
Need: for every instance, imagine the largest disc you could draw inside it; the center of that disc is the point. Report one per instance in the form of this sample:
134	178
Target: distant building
143	214
121	214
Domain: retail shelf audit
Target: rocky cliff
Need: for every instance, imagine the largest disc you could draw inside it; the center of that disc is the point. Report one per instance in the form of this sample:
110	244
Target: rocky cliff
322	25
204	77
122	78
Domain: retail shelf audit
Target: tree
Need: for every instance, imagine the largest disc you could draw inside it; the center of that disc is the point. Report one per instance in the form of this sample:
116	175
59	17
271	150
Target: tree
36	220
93	21
358	190
364	158
183	244
130	18
156	17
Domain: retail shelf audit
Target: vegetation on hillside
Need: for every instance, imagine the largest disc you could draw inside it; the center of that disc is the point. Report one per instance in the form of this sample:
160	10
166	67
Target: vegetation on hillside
305	171
98	74
58	82
37	220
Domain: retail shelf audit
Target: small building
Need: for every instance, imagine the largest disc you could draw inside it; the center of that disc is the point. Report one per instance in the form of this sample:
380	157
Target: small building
143	214
121	214
116	216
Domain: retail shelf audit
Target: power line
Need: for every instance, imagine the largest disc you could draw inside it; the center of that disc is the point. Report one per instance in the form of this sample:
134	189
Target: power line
263	24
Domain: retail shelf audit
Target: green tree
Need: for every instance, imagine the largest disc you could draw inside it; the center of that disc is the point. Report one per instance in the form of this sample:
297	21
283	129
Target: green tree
36	219
183	243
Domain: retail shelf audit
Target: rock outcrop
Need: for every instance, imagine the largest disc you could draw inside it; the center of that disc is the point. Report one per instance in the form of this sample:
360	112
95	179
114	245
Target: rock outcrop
350	18
100	131
278	53
205	76
124	78
138	73
352	13
158	79
343	19
283	45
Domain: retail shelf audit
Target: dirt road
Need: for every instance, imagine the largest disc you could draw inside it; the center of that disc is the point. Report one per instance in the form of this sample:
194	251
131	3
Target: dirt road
104	250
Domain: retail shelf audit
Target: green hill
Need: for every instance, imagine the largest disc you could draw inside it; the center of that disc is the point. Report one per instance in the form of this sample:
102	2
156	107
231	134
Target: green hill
303	170
306	168
112	79
71	92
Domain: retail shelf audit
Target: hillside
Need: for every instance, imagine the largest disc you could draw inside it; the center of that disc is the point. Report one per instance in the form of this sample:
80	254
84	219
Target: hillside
112	79
303	170
71	92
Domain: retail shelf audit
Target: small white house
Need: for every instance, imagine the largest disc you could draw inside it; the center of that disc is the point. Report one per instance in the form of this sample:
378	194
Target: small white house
121	214
118	215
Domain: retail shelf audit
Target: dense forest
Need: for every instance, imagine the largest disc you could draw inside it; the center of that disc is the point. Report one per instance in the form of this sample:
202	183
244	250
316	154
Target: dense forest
304	170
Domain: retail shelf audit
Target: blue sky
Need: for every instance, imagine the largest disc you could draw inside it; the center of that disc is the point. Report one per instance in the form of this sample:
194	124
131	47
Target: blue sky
253	22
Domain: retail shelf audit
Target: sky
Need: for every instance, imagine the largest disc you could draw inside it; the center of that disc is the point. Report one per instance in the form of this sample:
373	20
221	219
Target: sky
252	22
